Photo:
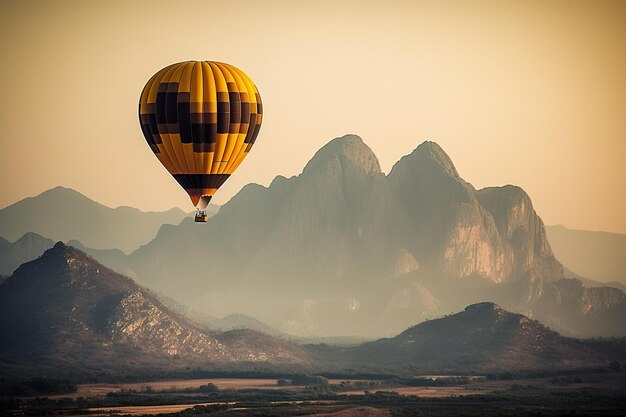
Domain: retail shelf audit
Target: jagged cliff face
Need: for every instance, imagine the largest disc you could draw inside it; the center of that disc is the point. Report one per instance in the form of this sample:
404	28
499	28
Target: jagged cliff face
493	232
70	308
342	248
342	211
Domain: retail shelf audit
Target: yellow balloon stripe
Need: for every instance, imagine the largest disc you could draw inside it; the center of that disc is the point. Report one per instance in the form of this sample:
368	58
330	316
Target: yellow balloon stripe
183	95
196	115
223	109
235	116
209	110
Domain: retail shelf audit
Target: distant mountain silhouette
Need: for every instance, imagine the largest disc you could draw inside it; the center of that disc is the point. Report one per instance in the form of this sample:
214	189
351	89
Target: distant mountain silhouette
600	256
64	214
484	338
66	309
229	322
343	249
26	248
580	311
31	246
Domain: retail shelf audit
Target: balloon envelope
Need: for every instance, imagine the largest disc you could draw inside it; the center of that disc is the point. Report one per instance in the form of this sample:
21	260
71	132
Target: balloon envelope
200	118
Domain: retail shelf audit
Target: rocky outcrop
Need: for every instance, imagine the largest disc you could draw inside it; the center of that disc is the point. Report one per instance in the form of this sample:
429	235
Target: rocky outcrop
523	234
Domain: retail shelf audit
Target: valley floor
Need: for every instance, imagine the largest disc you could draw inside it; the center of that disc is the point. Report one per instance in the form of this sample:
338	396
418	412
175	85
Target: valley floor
557	395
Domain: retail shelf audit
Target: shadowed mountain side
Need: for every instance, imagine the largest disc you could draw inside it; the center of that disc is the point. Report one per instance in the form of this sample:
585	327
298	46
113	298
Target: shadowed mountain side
482	338
600	256
26	248
343	249
73	311
64	214
113	259
31	246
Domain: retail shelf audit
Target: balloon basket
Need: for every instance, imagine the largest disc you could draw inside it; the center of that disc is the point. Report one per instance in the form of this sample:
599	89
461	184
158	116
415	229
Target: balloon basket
201	217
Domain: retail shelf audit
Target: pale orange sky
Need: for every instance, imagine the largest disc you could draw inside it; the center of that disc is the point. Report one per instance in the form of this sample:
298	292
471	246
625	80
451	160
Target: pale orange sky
528	93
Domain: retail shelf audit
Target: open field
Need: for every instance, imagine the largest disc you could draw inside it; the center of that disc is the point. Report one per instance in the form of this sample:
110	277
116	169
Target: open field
94	390
356	412
326	411
428	392
594	393
141	410
99	390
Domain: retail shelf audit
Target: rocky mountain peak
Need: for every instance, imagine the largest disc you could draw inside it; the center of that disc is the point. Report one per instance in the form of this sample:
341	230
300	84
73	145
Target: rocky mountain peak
485	306
505	198
350	151
488	313
59	246
62	252
64	267
428	157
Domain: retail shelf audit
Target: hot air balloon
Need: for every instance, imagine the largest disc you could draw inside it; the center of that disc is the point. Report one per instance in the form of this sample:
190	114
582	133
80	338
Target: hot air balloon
200	118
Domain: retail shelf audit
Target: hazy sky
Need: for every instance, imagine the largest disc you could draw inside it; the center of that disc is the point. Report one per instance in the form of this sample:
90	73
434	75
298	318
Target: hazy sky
526	93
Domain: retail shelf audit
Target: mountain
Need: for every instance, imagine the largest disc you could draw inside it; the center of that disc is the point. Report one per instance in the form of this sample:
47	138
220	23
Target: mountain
31	246
66	314
114	259
230	322
236	322
66	309
26	248
343	249
581	311
600	256
482	338
64	214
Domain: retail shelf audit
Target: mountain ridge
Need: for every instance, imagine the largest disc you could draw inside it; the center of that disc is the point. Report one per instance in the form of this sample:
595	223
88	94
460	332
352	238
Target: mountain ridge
597	255
330	240
343	249
64	214
72	310
79	318
482	337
